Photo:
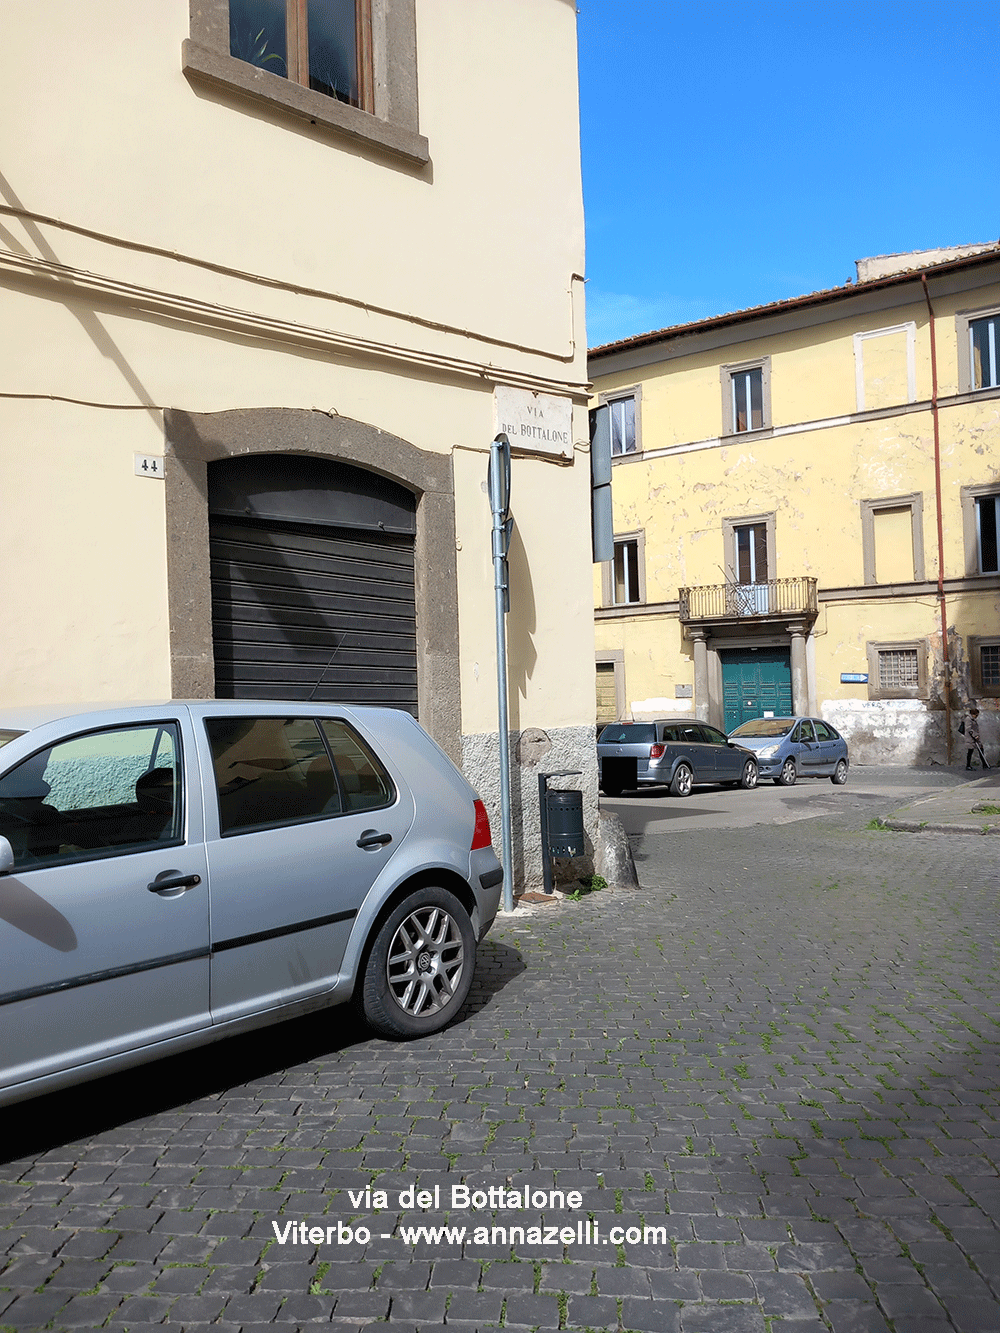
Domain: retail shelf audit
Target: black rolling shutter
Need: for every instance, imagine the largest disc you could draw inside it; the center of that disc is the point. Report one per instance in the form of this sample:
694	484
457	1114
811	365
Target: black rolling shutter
312	610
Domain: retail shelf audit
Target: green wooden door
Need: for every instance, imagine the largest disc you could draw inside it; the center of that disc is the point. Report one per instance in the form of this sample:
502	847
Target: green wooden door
755	682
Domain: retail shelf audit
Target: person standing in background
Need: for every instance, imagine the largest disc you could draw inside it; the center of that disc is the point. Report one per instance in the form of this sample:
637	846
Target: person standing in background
972	739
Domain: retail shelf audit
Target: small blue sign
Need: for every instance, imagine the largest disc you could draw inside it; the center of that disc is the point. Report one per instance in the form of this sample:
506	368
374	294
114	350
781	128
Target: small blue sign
854	678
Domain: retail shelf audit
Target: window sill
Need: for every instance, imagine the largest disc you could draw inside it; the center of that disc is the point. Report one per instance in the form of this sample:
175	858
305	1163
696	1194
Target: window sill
761	433
236	76
881	696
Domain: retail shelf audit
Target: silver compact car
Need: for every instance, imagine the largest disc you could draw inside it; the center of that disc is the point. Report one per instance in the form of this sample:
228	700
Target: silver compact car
177	872
788	748
679	753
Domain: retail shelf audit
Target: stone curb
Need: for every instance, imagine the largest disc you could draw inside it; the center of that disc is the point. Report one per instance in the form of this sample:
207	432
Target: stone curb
911	826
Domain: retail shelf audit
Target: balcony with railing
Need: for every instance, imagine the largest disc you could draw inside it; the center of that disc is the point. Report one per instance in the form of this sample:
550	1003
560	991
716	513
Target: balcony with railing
776	599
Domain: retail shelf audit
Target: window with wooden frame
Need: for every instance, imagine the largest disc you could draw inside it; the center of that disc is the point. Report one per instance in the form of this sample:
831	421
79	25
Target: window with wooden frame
981	524
347	66
978	333
624	577
625	421
325	45
746	397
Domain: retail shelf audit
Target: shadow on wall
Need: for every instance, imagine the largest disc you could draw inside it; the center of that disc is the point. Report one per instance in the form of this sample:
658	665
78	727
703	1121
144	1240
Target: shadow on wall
87	319
521	625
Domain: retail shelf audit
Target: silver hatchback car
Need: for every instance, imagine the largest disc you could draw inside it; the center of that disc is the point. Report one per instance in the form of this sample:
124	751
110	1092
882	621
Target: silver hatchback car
177	872
788	748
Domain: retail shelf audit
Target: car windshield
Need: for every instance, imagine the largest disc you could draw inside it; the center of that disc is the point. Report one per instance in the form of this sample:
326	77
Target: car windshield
627	734
765	726
6	736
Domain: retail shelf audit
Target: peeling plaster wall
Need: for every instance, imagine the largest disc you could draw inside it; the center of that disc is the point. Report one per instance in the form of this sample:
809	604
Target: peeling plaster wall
888	731
850	433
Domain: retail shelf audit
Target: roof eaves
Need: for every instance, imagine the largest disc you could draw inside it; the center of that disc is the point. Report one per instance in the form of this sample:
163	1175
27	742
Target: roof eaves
795	302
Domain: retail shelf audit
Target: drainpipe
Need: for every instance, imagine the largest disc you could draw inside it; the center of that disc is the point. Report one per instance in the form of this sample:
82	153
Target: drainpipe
940	520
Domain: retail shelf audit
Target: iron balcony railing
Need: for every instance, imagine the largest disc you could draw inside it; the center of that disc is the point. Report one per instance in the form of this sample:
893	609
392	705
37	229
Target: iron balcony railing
731	601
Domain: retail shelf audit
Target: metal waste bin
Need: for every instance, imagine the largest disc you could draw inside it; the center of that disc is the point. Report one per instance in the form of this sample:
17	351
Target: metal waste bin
562	822
565	811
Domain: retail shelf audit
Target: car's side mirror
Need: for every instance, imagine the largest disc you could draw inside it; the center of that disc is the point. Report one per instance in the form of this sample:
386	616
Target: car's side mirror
6	857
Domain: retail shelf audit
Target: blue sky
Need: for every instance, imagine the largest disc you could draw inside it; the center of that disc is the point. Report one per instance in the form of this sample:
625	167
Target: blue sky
736	153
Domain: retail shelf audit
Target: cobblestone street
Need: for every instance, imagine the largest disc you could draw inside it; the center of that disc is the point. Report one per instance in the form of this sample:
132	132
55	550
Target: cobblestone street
782	1050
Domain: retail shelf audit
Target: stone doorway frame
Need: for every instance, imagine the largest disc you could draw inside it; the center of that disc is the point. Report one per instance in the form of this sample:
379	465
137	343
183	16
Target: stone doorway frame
195	439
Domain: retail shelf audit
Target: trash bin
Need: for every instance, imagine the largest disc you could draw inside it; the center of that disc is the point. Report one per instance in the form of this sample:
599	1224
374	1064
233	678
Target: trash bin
565	823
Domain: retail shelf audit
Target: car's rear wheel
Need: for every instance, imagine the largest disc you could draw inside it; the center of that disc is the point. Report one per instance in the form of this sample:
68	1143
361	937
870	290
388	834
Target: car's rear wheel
788	774
682	781
839	775
420	966
748	778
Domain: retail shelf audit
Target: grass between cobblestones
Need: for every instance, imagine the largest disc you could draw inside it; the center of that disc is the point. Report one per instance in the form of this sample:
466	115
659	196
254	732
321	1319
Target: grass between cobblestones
782	1049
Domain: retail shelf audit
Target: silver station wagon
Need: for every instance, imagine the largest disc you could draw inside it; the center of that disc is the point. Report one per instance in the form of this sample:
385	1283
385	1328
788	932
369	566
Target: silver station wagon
177	872
678	752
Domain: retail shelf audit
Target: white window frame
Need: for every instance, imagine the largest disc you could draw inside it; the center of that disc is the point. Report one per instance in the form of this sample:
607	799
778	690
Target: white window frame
910	329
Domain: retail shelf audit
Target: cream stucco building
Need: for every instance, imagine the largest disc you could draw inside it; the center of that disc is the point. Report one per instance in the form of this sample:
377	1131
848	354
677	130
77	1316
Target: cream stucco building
806	501
271	274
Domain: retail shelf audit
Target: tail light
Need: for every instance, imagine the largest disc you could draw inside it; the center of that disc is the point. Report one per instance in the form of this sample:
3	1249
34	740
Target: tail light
481	835
657	751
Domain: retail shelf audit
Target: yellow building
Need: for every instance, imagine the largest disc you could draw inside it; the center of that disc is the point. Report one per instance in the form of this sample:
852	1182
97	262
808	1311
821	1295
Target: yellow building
266	294
806	501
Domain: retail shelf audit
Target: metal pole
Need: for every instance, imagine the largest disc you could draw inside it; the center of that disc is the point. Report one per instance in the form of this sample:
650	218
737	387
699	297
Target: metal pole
499	484
543	810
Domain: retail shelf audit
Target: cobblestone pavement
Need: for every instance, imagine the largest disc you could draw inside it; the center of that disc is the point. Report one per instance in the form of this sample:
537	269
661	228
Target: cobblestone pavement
782	1050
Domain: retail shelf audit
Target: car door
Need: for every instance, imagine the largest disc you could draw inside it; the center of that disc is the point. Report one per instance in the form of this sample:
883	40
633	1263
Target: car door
104	917
831	747
808	758
304	818
728	762
697	751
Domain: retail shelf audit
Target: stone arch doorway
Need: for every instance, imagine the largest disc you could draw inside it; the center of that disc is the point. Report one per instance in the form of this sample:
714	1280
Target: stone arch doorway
296	445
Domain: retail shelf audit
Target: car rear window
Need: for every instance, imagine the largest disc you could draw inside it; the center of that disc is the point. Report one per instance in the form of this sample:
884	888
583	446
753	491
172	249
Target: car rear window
765	726
633	733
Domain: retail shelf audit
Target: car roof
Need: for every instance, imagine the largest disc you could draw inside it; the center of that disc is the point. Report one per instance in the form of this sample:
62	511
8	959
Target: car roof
657	721
29	716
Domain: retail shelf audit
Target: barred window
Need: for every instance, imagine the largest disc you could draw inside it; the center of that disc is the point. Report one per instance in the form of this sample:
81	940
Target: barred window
898	669
989	664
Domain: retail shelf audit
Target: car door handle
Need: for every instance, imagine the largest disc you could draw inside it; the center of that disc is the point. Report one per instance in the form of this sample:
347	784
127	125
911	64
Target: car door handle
171	880
372	839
